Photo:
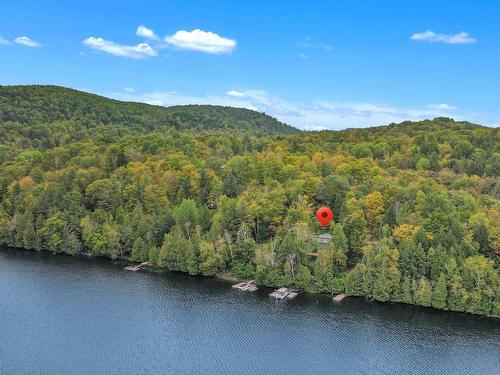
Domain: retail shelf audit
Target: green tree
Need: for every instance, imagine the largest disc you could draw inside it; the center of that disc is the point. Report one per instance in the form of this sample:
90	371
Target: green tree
193	258
104	194
407	291
52	233
139	250
385	273
339	239
358	281
480	280
440	293
423	293
323	269
374	211
413	260
481	236
304	278
332	193
457	297
438	258
186	216
355	227
211	260
29	235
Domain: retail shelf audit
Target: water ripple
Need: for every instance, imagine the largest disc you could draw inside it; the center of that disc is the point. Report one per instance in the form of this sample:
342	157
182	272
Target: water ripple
64	315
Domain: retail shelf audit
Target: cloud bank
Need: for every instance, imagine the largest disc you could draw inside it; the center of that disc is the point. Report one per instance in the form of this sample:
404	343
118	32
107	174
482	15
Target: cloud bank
312	115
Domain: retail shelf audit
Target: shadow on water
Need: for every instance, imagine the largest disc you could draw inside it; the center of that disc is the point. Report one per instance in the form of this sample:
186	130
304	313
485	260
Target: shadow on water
63	314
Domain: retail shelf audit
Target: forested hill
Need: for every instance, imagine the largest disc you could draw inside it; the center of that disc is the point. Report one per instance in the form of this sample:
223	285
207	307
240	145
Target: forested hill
31	105
417	204
413	127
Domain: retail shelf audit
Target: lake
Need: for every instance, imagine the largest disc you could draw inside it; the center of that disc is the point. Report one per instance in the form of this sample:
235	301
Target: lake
68	315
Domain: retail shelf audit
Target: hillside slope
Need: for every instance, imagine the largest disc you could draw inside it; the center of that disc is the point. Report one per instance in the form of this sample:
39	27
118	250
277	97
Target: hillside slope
30	105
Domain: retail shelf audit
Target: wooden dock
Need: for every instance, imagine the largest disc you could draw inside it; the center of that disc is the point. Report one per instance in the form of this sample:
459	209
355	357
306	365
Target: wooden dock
136	267
247	286
339	297
284	293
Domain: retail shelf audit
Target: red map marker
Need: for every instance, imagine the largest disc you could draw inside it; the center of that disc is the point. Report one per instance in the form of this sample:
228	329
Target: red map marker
324	216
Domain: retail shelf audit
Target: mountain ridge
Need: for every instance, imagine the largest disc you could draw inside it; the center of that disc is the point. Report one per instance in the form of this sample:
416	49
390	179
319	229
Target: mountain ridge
15	100
30	104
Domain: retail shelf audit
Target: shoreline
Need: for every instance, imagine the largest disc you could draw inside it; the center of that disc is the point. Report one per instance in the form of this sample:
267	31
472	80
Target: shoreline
227	278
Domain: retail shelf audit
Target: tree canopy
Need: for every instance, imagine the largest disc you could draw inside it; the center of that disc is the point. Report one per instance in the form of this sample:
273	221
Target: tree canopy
210	190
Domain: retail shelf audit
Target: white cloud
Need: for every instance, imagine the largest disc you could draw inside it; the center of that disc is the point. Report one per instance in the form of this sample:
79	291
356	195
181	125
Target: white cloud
303	56
128	89
28	42
309	43
3	41
431	36
146	33
443	106
310	115
236	94
140	51
199	40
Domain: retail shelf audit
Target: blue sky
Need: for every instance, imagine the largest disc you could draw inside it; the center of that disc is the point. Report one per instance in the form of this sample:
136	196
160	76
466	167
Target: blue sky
320	64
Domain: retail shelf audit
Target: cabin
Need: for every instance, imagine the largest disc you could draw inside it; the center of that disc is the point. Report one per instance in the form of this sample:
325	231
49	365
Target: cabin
322	241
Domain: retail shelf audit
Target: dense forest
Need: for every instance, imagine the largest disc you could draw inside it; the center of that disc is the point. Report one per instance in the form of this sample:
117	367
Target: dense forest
213	190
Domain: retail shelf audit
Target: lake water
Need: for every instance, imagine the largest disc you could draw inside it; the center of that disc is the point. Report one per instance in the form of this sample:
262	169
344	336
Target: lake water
66	315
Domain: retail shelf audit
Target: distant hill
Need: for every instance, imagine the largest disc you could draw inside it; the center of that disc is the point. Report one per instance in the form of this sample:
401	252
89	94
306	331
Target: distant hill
44	117
413	127
29	105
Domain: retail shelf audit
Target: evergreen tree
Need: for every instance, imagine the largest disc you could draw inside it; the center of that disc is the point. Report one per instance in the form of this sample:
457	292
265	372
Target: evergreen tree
211	260
355	232
438	258
186	216
440	293
482	238
138	249
423	293
386	285
357	281
193	258
339	261
457	297
29	235
413	260
323	269
304	278
339	239
407	291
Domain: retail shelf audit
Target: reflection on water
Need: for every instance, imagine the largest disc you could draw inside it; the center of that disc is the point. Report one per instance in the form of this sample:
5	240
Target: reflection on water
66	315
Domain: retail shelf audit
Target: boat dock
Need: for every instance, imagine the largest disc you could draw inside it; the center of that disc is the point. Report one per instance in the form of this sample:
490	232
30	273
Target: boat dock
137	267
284	293
247	286
339	297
